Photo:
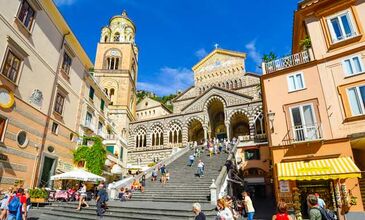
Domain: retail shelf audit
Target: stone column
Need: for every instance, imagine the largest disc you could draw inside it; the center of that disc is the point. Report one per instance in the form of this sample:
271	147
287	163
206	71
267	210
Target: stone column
185	134
205	133
166	138
252	129
228	130
149	138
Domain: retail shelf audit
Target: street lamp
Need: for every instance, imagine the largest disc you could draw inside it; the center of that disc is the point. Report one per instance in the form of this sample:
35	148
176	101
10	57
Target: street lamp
271	116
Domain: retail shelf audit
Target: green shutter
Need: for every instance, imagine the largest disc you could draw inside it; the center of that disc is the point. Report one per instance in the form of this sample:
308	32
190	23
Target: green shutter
110	149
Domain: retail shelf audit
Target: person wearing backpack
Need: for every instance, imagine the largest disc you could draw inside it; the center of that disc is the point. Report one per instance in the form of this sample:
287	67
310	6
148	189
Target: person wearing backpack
314	209
101	200
14	207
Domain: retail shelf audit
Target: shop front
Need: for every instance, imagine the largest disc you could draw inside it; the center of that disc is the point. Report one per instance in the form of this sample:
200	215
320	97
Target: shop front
335	180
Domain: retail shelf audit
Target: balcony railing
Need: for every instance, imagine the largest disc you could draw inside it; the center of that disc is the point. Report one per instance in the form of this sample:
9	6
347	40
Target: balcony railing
88	125
288	61
303	133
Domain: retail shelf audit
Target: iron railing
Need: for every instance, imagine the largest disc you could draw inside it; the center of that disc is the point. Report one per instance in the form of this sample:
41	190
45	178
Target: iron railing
289	61
303	133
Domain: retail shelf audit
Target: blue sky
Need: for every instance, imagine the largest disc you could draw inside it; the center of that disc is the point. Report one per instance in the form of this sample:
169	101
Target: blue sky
173	35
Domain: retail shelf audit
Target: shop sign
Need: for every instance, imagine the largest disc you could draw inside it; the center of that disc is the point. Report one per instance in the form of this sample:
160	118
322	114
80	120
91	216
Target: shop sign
284	186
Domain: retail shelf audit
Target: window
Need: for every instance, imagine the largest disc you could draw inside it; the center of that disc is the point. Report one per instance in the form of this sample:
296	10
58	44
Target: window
60	101
22	139
66	63
357	100
26	14
110	149
341	26
88	119
11	66
2	128
252	154
54	128
296	82
102	105
91	93
116	37
304	123
100	128
353	66
113	63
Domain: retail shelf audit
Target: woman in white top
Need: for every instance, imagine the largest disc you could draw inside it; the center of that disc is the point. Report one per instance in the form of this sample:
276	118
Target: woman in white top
83	195
224	213
248	206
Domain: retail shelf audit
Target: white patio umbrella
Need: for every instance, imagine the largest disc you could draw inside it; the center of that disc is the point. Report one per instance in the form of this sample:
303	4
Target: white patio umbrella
78	174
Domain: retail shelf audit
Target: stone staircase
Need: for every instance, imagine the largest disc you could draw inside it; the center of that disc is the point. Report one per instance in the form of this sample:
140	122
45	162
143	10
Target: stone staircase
171	201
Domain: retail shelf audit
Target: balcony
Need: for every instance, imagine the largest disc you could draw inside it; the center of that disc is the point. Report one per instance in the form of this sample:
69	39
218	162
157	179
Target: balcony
289	61
87	125
303	133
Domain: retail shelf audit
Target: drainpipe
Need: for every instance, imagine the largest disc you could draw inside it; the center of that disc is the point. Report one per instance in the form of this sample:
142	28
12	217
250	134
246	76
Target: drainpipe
36	170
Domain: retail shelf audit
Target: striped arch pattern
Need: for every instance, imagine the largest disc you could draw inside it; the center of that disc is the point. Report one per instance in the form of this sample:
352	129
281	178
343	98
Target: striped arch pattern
157	134
211	99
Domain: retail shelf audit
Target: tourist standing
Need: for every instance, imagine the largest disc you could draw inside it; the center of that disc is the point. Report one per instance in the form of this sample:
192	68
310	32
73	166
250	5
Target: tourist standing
314	209
282	212
199	215
200	168
143	182
191	160
83	195
163	174
321	202
248	205
4	203
223	211
101	200
154	175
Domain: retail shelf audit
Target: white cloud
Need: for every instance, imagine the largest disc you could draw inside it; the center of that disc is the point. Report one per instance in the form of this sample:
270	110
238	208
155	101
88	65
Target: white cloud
254	54
168	81
201	53
64	2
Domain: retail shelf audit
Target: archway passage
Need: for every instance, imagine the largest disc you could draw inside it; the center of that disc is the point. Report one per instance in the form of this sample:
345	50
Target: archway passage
195	131
239	125
216	119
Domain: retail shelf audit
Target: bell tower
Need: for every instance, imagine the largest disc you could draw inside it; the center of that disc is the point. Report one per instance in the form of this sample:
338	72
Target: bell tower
116	67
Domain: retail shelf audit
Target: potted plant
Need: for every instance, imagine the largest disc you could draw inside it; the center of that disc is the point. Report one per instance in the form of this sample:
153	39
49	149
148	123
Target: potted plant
38	195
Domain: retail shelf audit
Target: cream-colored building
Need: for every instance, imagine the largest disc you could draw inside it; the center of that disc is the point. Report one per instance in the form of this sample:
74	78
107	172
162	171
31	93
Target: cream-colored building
42	71
148	108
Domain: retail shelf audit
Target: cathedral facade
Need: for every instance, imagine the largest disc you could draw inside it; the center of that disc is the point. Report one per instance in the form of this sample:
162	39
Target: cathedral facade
224	102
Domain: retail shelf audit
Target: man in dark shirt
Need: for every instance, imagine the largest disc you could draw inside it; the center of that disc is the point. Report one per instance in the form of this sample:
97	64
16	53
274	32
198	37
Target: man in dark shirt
101	199
199	215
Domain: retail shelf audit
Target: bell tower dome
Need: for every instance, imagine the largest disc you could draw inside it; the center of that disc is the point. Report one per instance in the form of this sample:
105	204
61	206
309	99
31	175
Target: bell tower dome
116	67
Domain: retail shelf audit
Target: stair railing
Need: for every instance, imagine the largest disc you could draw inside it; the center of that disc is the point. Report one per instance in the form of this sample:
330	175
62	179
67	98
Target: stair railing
113	187
221	183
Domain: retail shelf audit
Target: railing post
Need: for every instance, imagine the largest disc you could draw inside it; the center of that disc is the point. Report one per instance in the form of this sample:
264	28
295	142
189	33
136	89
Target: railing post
213	193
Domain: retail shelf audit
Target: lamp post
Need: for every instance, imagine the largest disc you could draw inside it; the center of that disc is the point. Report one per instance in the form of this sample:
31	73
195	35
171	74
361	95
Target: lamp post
271	116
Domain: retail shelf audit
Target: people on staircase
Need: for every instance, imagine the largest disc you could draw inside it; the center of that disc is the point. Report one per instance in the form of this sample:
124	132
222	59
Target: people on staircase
83	196
143	182
191	160
250	210
200	168
101	199
163	174
224	213
154	175
199	215
282	212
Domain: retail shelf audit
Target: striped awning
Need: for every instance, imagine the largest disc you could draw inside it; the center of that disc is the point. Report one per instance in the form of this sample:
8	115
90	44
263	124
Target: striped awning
336	168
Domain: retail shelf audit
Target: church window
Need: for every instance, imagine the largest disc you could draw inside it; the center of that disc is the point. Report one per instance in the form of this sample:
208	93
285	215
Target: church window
259	124
111	94
141	138
157	136
116	37
235	84
175	133
113	63
106	39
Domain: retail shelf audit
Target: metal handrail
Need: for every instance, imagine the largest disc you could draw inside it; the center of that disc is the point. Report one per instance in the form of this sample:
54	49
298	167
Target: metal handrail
149	171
